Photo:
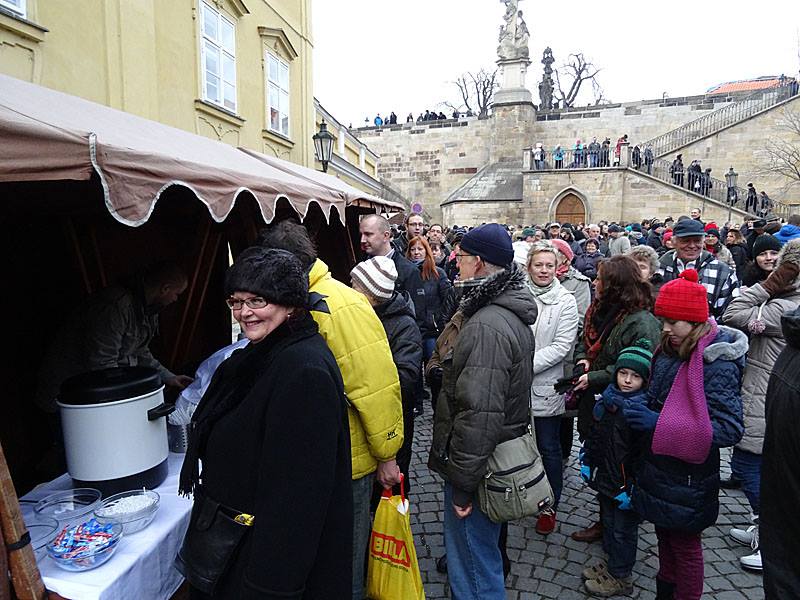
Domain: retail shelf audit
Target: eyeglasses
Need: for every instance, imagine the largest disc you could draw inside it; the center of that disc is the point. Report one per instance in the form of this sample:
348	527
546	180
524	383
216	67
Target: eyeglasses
254	302
460	256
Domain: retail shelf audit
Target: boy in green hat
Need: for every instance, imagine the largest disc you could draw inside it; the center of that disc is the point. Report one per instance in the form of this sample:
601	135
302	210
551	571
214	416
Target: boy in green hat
607	461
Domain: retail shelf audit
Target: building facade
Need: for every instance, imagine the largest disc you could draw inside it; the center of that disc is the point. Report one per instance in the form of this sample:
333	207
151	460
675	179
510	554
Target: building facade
237	71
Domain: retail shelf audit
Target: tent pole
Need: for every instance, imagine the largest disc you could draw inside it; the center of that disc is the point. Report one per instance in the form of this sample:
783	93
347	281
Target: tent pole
5	591
77	247
96	248
25	574
190	296
203	292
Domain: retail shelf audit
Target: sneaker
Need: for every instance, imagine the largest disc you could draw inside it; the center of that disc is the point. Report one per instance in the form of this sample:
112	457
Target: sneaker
606	585
595	571
744	536
546	522
752	561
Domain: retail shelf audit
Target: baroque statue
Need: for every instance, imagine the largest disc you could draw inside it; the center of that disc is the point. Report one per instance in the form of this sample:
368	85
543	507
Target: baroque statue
546	86
514	34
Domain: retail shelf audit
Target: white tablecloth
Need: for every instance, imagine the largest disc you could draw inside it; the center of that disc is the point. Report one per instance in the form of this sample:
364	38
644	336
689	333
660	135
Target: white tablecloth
142	566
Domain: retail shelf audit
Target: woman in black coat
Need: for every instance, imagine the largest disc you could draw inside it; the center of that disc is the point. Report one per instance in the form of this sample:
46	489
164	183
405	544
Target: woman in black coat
272	434
738	249
437	286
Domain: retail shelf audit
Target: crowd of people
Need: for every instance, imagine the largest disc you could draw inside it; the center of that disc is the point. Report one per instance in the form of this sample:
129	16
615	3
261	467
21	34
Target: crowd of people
662	339
428	115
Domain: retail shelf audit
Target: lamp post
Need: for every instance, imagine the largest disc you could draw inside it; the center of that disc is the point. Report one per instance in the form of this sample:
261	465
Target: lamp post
731	177
323	145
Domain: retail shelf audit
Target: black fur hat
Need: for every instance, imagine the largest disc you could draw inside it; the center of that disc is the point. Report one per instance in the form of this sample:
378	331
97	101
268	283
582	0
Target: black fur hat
276	275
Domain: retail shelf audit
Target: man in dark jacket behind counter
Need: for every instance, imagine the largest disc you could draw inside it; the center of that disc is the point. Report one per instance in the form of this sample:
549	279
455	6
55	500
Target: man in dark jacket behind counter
485	400
779	525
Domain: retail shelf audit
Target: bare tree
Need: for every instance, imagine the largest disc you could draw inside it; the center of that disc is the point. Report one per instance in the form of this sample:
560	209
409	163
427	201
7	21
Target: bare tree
781	153
476	89
575	72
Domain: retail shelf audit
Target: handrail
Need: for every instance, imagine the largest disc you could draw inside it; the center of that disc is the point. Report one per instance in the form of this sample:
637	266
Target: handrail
709	187
724	117
702	184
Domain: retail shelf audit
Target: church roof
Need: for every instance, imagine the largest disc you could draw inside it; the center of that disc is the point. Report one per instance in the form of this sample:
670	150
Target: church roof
494	182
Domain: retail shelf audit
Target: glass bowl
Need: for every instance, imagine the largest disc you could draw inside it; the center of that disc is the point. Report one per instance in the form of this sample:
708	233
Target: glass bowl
87	559
68	505
42	531
113	509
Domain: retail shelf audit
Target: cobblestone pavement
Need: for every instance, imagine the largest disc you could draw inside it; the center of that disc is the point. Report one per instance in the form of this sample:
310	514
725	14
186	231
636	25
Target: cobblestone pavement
549	567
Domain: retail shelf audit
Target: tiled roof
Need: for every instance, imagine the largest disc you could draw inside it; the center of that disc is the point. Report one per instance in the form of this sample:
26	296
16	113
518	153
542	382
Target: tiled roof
746	85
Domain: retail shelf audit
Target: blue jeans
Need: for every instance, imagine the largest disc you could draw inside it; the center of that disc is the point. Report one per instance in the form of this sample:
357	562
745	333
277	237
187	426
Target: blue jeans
362	526
746	467
548	440
620	536
474	563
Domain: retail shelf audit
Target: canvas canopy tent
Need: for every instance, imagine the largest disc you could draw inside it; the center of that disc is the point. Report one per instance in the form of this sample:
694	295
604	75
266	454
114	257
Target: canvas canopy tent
90	195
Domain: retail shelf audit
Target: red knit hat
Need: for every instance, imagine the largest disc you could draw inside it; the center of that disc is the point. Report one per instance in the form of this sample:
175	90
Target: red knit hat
683	299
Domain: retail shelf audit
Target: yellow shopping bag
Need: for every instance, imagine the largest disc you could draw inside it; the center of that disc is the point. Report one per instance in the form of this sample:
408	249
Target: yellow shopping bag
393	571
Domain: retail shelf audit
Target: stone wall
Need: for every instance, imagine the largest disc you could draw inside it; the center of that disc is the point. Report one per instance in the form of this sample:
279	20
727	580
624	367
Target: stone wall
426	162
642	121
612	194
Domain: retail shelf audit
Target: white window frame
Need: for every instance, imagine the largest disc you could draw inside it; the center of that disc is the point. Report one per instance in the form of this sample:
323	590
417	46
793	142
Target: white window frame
281	90
223	52
18	7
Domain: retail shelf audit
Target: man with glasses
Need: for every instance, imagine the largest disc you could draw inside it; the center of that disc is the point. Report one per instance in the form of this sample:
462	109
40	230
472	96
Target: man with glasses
415	225
717	277
485	401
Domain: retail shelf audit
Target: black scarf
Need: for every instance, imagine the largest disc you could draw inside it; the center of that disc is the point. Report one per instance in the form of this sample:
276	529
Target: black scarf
231	383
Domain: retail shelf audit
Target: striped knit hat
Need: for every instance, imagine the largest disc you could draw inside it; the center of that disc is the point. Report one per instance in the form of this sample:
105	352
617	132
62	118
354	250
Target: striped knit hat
377	275
636	358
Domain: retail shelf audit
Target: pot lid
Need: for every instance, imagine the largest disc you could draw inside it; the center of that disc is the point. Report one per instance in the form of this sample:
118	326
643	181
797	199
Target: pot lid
109	385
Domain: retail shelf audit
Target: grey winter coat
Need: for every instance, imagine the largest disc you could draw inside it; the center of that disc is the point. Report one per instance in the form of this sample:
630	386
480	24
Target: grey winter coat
619	245
486	383
764	347
554	330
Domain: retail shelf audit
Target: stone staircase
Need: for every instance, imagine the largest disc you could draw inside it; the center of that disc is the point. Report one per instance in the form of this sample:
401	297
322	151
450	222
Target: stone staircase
722	118
716	190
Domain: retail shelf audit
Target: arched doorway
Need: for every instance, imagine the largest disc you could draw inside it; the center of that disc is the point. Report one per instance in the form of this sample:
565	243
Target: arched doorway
570	209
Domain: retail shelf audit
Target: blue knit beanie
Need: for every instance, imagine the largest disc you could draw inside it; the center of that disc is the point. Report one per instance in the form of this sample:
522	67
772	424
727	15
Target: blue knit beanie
491	242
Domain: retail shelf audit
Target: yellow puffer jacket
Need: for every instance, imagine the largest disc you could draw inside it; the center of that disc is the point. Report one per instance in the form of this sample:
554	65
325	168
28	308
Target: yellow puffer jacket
358	342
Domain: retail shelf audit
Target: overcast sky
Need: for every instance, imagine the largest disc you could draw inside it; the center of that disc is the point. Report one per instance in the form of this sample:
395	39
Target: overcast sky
375	56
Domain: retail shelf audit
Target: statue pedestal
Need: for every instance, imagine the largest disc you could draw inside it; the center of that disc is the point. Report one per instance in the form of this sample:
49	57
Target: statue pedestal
512	82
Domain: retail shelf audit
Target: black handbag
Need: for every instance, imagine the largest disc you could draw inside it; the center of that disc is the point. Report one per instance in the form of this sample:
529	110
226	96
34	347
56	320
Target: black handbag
211	542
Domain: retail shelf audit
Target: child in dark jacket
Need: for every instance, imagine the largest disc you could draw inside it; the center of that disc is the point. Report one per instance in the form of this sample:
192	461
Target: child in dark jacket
693	408
607	461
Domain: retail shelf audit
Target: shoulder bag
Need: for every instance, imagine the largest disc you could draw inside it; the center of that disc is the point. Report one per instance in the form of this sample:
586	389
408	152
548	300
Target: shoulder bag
212	540
515	484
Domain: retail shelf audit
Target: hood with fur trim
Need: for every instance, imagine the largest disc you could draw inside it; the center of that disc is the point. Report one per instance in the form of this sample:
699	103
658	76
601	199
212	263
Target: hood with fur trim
790	253
730	344
506	288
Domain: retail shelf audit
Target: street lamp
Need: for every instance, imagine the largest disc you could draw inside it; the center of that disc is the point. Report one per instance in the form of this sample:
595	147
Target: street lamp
323	145
731	177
